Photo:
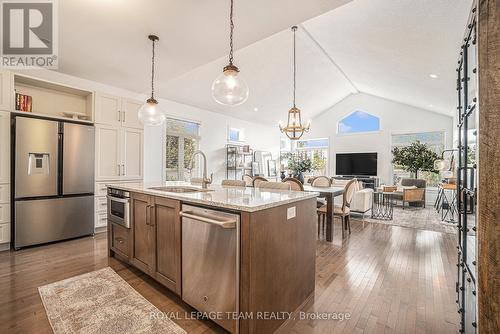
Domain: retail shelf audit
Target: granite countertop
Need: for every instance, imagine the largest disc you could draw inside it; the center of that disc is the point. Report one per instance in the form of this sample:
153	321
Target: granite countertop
237	198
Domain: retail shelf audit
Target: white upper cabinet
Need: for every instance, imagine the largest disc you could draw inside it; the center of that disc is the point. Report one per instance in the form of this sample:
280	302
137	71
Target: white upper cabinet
116	111
108	152
6	91
119	153
129	113
108	110
4	147
132	154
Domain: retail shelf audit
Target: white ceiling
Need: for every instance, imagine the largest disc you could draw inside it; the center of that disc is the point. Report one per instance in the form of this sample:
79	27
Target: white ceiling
385	48
106	40
389	48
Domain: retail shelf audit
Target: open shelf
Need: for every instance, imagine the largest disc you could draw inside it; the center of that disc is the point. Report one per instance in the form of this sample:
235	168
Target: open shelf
53	100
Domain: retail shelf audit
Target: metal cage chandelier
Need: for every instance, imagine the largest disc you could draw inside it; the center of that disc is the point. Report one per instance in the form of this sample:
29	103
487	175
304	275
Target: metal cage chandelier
294	128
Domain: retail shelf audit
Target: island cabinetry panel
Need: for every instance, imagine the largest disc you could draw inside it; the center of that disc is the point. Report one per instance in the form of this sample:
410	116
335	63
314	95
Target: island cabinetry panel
284	252
119	240
143	233
155	239
168	243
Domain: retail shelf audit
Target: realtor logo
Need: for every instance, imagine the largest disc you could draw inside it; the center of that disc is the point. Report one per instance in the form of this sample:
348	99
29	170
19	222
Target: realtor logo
29	34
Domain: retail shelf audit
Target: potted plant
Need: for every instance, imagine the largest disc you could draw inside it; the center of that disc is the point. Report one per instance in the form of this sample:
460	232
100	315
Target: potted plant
299	164
414	158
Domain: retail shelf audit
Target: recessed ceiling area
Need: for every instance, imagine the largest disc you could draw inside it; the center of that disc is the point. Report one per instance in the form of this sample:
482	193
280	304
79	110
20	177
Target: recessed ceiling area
399	50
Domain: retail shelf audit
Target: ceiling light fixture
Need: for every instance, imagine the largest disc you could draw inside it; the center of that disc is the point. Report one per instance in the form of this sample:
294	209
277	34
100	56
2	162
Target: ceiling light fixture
150	113
433	76
229	88
294	129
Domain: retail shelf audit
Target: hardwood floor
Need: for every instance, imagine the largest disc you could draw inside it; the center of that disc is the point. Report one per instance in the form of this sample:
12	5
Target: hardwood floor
389	279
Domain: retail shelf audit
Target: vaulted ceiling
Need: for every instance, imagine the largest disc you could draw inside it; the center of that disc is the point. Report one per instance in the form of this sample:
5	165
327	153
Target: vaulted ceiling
380	47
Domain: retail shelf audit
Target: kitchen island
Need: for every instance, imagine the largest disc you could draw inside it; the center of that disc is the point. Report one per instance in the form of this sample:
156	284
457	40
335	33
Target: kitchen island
243	256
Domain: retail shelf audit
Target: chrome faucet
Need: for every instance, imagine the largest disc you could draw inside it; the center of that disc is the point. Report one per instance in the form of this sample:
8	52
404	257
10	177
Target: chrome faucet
205	181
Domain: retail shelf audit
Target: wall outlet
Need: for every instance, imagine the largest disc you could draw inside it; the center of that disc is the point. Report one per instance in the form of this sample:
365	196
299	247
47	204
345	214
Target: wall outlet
290	213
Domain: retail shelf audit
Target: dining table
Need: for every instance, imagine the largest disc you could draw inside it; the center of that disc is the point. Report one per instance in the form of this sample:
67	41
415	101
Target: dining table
329	193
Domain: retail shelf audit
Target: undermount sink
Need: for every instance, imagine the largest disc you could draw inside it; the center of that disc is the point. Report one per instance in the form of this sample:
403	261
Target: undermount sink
179	189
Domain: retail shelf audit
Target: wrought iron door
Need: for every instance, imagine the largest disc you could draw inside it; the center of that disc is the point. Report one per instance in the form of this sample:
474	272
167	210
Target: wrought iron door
468	108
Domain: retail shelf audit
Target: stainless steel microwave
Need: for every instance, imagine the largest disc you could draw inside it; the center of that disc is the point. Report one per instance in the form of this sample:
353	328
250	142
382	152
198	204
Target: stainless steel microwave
119	207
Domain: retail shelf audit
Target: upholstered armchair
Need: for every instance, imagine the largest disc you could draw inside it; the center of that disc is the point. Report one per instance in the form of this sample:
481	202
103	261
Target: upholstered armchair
416	195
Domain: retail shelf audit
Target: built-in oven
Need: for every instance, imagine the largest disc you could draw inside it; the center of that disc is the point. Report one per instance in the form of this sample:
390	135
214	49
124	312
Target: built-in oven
119	207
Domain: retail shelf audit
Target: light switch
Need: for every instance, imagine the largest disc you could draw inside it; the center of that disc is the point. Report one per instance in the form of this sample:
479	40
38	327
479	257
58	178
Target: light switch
290	213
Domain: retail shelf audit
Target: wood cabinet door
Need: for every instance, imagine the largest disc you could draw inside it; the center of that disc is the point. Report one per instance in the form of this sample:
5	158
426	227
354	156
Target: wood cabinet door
4	147
108	152
6	91
132	153
168	243
130	118
107	110
143	233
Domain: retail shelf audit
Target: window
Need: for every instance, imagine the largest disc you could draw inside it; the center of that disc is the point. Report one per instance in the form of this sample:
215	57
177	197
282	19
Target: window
317	151
182	139
434	140
359	121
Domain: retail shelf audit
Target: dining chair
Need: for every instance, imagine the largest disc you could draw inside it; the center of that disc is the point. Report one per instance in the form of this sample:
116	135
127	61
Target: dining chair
233	183
248	180
321	181
273	185
257	179
343	211
295	184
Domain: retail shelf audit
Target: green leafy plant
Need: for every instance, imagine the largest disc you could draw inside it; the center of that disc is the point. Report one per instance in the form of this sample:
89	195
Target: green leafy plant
414	158
298	163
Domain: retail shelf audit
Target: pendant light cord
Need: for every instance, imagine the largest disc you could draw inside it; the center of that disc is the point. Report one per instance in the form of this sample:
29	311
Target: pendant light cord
231	28
294	28
153	72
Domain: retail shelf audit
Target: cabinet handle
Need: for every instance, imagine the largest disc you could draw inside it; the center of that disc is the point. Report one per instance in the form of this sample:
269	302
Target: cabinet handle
151	213
120	240
124	117
119	169
119	116
123	170
147	214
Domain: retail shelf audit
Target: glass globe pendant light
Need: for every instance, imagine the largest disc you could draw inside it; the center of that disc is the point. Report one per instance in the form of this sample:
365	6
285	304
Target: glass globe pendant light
150	113
229	88
294	128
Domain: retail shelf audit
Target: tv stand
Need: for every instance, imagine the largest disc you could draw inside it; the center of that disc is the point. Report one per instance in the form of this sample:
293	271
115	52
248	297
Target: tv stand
368	181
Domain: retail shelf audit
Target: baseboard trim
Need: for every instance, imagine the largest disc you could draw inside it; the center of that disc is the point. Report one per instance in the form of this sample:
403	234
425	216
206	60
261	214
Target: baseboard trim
4	247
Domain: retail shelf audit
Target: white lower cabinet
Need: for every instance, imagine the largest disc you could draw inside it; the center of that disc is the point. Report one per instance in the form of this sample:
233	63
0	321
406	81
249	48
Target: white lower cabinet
4	193
101	219
4	234
4	213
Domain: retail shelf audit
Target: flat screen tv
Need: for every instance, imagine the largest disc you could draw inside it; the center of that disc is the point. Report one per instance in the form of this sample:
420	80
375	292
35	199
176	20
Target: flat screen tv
363	164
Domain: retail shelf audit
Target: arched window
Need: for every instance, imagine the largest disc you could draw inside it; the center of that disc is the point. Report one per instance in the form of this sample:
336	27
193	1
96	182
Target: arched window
358	121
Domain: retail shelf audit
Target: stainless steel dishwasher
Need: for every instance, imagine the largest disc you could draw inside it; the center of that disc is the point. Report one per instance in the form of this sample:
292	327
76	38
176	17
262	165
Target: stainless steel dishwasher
210	263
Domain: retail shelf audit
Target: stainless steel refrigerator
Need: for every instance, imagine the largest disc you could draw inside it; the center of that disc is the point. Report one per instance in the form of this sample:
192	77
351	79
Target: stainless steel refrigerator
53	180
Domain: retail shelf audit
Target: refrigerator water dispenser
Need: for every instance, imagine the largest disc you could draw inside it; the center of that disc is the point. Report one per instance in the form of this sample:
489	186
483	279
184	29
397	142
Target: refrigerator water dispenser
38	163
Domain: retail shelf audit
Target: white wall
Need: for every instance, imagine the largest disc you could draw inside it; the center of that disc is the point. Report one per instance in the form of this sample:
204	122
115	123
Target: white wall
213	128
213	132
394	118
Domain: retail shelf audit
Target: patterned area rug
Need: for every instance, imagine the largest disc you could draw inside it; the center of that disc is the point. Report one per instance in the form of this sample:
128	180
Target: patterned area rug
101	302
420	218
